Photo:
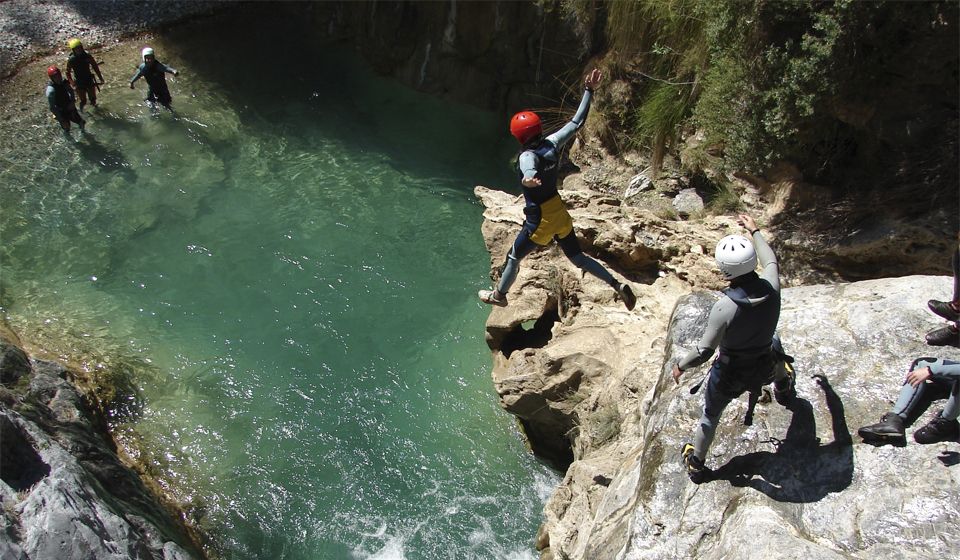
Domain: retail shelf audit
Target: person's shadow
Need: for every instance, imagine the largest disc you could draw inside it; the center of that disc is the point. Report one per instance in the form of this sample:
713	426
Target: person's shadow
105	156
800	470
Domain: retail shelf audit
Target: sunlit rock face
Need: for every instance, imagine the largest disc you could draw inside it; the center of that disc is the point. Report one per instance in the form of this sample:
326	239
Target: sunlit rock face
590	385
799	479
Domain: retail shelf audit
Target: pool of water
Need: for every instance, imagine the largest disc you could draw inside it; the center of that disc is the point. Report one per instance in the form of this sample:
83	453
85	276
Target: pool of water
295	252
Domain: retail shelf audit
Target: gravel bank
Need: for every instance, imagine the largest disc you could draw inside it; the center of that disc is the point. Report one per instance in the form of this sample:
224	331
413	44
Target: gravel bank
33	28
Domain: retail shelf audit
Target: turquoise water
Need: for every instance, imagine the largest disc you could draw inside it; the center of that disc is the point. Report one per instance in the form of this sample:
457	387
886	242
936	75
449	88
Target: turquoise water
296	255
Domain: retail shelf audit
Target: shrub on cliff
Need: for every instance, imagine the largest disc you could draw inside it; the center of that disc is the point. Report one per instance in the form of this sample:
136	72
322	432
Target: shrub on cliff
834	87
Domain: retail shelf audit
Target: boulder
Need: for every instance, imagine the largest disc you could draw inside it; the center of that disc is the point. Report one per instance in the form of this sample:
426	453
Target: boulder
65	492
590	384
688	203
800	477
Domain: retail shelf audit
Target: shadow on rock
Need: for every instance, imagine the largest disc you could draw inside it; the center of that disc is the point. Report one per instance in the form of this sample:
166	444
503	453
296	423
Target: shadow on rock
949	458
800	470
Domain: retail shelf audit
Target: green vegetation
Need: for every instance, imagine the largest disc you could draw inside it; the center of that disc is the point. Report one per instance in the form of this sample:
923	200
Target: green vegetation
851	92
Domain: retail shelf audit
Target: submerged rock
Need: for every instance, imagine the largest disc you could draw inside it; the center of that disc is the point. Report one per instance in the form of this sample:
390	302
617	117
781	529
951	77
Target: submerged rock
65	493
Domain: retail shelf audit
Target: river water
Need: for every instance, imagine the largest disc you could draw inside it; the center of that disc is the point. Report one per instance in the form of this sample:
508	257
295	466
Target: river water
292	259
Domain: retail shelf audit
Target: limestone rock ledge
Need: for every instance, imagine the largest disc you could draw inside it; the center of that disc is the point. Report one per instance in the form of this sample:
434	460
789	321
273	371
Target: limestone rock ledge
589	383
64	492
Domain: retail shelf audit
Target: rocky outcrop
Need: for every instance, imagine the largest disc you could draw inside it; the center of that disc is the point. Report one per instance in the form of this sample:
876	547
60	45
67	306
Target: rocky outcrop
796	477
65	493
589	383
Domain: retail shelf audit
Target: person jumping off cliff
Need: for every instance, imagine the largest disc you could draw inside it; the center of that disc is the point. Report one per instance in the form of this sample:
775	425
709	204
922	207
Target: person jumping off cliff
62	101
154	72
78	73
928	379
742	324
546	214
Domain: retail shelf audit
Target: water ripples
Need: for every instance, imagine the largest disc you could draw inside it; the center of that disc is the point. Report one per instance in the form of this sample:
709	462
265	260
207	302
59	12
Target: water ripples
301	283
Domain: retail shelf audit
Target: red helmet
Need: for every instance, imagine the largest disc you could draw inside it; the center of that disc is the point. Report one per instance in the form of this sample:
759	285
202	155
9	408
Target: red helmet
52	71
525	126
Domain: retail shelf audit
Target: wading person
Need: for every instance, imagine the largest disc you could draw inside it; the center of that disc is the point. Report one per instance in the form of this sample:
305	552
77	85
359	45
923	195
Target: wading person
80	69
154	72
62	101
928	379
546	214
742	325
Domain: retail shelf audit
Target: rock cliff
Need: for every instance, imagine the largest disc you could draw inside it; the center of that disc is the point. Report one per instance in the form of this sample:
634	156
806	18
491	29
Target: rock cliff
589	383
65	493
498	55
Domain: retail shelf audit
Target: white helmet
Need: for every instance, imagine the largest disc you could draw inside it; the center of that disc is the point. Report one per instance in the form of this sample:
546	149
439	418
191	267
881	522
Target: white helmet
147	51
735	256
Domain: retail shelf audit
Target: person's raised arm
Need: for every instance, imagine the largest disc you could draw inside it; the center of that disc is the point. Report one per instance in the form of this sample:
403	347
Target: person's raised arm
561	137
770	269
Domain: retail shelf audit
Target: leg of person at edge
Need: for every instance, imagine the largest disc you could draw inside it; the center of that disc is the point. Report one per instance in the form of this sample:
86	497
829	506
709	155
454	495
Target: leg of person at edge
949	310
154	72
928	379
742	324
545	212
62	101
79	73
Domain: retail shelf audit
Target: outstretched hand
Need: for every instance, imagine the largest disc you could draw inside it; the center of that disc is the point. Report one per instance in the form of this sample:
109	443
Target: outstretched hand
747	222
531	182
593	79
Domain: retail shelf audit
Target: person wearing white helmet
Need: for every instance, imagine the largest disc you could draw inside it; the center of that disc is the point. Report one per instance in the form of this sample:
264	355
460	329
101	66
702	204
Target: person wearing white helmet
154	72
742	325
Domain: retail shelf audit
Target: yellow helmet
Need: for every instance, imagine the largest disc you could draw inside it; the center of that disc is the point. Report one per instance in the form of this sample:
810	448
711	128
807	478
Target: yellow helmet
74	43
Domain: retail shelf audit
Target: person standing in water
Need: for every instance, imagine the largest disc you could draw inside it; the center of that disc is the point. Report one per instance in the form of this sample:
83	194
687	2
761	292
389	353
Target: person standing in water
79	73
62	101
154	72
546	214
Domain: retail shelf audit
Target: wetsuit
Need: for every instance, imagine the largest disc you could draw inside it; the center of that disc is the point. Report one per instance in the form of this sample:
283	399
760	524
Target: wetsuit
546	216
154	73
944	383
62	102
80	65
742	324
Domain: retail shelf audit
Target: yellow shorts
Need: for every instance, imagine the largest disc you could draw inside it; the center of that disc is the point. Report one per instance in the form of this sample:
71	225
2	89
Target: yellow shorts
554	221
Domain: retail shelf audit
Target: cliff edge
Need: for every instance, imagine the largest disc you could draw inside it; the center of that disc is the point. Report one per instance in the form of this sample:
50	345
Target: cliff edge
590	385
